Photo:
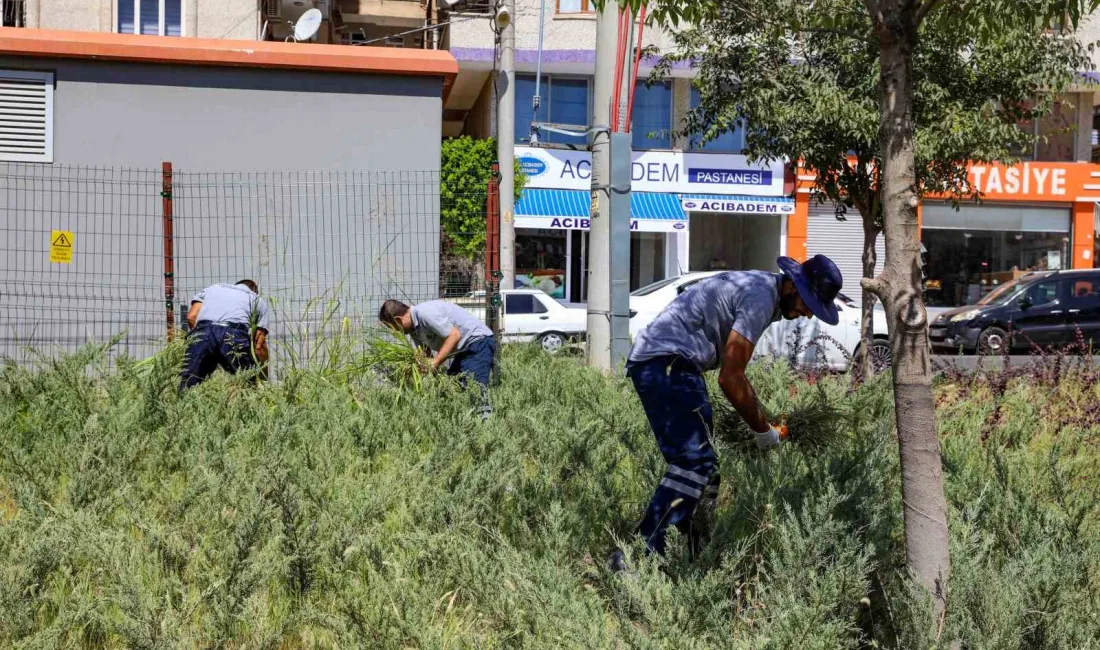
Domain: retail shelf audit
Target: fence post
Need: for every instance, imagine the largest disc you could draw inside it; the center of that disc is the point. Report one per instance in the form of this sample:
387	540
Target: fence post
492	252
169	250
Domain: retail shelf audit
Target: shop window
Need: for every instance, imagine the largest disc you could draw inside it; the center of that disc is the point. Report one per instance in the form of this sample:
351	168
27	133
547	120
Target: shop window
729	142
647	258
541	261
652	121
523	303
156	17
564	100
965	266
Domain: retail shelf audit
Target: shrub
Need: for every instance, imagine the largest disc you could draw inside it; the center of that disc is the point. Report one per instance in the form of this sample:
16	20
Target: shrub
323	512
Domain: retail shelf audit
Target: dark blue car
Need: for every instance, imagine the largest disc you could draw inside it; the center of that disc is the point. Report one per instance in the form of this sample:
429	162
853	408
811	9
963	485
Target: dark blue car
1041	308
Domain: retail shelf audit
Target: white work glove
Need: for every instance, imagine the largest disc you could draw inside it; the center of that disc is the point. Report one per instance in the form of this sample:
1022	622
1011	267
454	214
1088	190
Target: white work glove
769	439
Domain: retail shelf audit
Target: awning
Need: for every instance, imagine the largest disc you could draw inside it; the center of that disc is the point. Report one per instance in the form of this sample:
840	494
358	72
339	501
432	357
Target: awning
737	204
569	210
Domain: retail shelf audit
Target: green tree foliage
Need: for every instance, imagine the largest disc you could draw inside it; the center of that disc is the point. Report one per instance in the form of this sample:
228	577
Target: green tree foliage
465	169
803	80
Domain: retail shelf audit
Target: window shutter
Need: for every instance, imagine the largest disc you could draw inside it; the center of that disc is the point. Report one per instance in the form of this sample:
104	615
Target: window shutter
26	116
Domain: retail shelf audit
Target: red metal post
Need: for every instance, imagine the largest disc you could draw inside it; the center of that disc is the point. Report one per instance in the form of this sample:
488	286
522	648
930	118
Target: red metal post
492	252
492	225
169	250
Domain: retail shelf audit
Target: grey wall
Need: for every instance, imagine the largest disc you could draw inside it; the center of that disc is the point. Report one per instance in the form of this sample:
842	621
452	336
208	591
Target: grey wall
240	119
323	245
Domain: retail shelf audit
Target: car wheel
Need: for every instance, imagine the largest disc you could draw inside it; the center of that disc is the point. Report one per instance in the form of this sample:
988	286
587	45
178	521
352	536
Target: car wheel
992	340
881	355
551	342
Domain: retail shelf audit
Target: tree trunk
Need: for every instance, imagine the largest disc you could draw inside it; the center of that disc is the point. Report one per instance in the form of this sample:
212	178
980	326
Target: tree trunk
867	325
924	505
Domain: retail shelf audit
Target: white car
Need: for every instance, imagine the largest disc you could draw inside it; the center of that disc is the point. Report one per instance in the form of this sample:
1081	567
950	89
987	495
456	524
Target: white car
531	315
807	341
650	300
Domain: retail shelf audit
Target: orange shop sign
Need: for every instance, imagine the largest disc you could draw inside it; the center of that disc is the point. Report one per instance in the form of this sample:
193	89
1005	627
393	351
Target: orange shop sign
1030	181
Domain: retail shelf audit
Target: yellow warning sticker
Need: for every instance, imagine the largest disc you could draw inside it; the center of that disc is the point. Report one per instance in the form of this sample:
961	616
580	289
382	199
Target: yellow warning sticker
61	246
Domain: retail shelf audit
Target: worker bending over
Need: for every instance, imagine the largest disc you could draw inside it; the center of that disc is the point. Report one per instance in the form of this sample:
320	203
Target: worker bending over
228	325
715	324
449	332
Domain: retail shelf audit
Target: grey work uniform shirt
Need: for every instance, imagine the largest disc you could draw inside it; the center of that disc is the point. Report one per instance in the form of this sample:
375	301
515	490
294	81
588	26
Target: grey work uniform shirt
433	321
232	303
696	325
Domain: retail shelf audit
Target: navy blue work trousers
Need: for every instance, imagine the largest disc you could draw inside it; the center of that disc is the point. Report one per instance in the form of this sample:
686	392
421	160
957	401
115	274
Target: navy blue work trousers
674	396
211	346
476	362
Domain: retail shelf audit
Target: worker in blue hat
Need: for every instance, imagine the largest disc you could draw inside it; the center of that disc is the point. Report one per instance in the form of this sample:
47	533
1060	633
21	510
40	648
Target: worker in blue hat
714	324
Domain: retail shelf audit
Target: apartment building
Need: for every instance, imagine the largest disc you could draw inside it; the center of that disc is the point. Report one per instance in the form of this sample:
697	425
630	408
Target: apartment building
693	207
1037	215
374	22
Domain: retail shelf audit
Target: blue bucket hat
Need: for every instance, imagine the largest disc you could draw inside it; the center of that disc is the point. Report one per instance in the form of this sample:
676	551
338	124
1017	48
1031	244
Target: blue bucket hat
818	281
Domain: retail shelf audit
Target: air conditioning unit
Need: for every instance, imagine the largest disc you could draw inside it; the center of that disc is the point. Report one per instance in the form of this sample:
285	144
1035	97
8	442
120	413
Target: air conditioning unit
272	9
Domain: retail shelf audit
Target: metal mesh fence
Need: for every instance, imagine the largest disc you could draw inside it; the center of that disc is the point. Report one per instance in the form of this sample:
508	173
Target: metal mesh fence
326	248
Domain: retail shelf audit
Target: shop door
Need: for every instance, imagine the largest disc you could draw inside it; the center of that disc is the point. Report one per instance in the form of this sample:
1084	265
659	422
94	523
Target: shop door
1083	309
1040	316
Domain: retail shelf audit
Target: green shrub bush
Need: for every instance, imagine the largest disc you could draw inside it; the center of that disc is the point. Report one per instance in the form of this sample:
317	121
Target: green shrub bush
323	512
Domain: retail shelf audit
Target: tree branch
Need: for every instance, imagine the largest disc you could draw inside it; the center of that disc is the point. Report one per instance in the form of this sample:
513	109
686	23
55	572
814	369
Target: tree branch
873	10
925	8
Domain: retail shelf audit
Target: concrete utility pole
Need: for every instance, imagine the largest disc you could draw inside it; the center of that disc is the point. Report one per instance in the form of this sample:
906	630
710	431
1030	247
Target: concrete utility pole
609	235
506	147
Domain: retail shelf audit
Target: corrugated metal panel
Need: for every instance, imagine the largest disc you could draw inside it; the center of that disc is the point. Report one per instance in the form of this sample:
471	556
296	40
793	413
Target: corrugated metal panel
842	242
26	116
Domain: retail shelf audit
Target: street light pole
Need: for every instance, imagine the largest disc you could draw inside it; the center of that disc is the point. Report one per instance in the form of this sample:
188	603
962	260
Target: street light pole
506	145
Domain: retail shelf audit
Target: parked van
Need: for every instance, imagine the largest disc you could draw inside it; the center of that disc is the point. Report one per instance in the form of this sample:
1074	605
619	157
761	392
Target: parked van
1042	308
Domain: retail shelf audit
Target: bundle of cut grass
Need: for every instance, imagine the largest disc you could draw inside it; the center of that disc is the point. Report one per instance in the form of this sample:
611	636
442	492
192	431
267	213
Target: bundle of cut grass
813	420
394	356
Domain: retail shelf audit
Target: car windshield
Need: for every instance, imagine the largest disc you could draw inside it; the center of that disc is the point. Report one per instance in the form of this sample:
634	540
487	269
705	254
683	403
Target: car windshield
1000	293
656	286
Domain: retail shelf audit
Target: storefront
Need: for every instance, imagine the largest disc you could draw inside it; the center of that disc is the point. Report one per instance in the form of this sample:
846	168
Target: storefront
1033	216
975	249
689	212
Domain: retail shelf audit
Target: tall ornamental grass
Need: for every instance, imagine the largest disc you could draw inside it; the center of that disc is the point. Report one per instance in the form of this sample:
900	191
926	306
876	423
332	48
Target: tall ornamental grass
323	512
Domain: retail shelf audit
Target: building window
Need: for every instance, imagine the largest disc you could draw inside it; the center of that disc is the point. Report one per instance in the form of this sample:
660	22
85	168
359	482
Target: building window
729	142
156	17
1055	134
13	12
27	98
652	121
575	7
564	100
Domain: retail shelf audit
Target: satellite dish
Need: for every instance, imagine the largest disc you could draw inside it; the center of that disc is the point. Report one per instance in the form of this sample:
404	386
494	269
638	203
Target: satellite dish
307	25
